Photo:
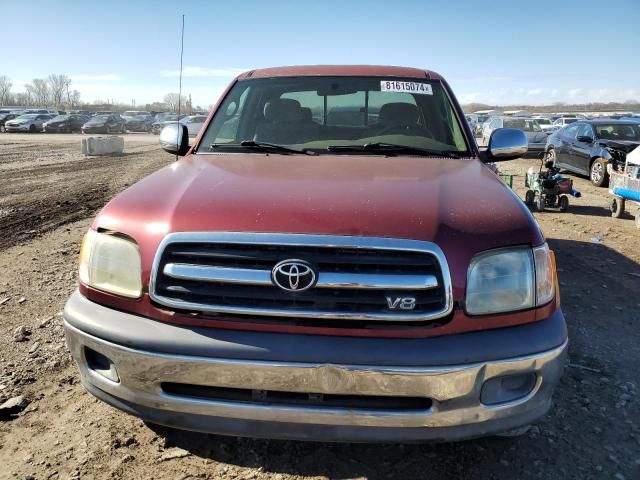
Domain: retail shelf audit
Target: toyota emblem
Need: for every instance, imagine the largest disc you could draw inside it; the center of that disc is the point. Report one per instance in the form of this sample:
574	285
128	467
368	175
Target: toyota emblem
294	275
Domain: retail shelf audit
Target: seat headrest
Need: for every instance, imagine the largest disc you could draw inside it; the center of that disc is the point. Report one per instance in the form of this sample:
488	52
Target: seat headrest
398	114
283	110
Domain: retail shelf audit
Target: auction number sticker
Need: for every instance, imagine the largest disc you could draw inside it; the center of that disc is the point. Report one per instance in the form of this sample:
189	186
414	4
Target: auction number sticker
405	87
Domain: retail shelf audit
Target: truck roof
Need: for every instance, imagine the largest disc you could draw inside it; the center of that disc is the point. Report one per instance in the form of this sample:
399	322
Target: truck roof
340	70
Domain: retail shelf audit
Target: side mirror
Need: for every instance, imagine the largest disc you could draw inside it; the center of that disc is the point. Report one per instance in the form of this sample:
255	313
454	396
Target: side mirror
174	138
584	139
506	144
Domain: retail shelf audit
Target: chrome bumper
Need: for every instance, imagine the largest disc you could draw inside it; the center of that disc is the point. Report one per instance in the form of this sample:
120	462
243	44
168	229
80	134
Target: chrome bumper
454	390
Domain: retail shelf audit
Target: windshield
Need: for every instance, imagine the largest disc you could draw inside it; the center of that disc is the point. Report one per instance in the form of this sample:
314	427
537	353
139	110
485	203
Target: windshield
526	124
318	112
27	116
101	118
60	118
620	132
543	121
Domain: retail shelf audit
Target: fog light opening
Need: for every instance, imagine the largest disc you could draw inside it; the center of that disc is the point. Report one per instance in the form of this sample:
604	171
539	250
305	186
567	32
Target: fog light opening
507	388
101	365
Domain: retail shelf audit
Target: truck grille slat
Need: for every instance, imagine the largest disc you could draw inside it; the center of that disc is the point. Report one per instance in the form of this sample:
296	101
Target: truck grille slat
356	278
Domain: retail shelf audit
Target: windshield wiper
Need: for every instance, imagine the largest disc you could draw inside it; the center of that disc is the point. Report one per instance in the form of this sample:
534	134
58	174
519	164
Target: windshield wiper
265	147
391	148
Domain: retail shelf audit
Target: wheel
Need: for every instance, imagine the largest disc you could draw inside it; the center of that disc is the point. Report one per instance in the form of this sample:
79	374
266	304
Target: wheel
539	202
123	129
563	201
617	207
529	197
551	156
67	130
2	129
32	129
599	175
638	220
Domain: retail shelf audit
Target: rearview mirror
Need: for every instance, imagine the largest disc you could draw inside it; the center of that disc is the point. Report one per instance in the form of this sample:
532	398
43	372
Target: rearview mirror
584	139
174	138
506	144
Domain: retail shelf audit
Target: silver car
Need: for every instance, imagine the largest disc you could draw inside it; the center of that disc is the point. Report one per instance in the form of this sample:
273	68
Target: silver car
30	122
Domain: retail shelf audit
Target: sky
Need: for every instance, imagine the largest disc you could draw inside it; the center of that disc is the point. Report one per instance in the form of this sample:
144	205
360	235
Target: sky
495	52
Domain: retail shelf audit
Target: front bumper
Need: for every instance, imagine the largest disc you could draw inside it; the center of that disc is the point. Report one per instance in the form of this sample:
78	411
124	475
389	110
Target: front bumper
148	355
95	130
17	128
137	127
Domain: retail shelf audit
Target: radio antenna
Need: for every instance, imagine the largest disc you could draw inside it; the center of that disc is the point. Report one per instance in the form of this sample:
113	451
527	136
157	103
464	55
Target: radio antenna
180	84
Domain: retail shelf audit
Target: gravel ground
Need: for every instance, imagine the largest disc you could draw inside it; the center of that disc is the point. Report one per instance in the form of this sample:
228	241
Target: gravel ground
48	194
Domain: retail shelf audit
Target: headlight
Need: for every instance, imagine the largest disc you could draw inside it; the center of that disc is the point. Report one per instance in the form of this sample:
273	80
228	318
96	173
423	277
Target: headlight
507	280
111	263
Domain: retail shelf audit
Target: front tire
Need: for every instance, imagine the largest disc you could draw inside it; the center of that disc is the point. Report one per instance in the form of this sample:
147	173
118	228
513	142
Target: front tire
599	176
617	207
32	129
540	201
529	197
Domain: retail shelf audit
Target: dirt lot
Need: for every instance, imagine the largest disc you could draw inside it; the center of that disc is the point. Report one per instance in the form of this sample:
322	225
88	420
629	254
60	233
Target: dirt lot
48	194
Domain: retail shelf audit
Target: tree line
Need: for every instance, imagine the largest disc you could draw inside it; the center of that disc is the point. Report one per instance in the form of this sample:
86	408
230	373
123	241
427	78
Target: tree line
53	91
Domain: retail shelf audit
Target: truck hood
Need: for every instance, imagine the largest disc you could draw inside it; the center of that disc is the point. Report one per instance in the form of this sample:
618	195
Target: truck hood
457	203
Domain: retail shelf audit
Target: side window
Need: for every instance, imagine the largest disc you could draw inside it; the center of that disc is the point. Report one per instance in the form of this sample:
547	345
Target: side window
585	131
229	114
572	131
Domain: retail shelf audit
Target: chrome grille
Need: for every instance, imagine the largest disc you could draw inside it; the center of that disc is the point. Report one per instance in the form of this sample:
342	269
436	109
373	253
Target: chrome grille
225	272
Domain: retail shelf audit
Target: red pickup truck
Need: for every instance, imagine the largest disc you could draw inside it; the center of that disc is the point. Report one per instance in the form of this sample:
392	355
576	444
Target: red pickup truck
330	260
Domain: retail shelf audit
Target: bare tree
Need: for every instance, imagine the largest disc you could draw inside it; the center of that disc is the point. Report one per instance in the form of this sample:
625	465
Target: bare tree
23	98
5	89
171	99
58	85
73	98
38	90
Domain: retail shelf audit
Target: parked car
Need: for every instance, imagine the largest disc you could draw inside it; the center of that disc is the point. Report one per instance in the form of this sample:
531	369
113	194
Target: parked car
392	289
139	123
29	122
545	124
585	147
113	123
5	117
159	124
564	121
46	111
535	136
194	123
65	123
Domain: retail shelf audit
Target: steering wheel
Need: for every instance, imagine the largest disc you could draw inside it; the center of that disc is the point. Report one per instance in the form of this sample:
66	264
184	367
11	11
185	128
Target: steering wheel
404	128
